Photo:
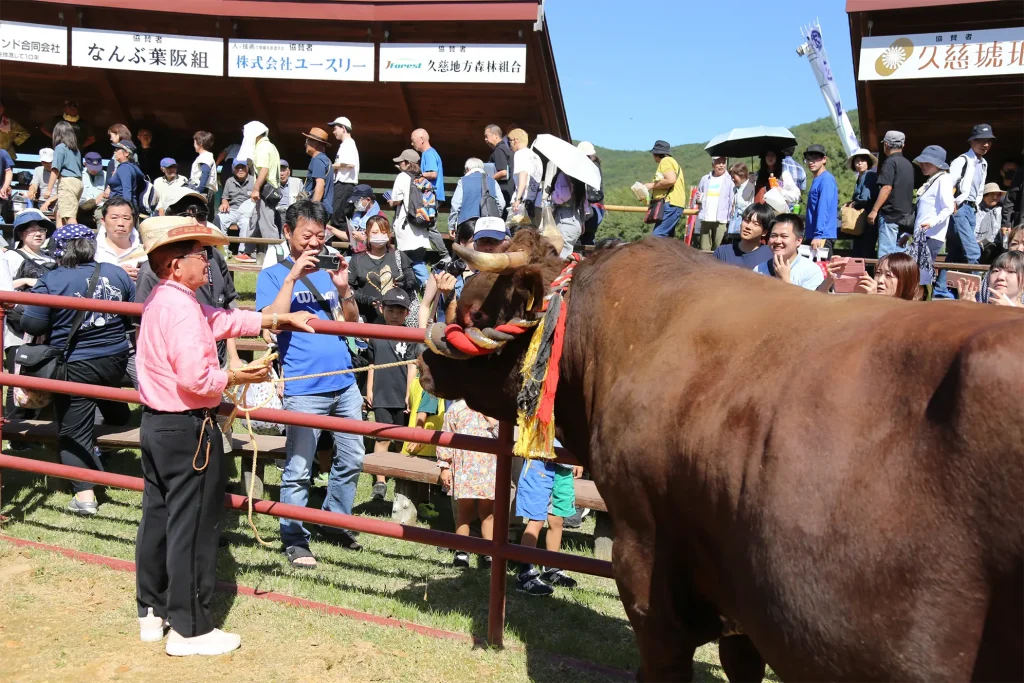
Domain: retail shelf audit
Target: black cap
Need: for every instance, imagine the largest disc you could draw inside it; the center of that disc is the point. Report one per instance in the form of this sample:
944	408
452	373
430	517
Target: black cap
360	191
661	148
396	297
815	149
982	131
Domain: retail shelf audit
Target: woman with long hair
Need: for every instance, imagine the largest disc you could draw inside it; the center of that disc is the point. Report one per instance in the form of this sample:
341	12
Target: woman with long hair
1004	284
896	275
375	271
98	350
773	174
67	174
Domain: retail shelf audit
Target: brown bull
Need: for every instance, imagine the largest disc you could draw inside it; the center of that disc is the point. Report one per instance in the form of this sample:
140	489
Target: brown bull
843	477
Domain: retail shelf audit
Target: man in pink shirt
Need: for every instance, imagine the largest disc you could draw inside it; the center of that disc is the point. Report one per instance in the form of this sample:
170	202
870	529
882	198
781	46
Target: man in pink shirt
181	383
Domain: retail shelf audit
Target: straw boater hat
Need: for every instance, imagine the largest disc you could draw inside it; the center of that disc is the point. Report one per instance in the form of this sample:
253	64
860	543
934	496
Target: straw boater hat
161	230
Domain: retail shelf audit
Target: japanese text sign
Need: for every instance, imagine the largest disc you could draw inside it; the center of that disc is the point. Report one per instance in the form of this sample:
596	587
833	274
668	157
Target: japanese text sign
147	52
33	43
300	60
452	63
986	52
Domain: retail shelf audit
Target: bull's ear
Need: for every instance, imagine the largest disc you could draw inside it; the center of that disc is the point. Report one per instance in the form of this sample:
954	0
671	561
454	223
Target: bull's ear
529	282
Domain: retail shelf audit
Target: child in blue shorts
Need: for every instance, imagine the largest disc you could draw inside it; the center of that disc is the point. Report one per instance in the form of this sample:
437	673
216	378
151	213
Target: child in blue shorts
545	492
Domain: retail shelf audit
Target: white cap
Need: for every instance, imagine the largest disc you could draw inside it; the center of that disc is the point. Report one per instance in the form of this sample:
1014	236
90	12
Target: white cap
341	121
586	148
46	154
490	226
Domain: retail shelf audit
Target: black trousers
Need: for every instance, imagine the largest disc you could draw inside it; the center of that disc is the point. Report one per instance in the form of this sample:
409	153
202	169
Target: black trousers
76	415
342	191
176	547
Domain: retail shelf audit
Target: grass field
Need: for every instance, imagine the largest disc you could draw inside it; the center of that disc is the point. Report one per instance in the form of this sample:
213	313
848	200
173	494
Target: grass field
390	578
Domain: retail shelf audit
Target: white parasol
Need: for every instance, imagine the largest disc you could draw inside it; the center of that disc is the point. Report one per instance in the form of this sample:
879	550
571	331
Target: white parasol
568	159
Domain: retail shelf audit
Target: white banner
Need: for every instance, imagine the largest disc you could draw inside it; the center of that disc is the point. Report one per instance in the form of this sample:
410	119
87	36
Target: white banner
988	52
815	51
37	43
288	59
101	49
452	63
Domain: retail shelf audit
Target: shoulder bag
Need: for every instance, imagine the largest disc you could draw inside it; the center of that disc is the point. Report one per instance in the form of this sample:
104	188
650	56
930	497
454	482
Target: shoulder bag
47	362
488	204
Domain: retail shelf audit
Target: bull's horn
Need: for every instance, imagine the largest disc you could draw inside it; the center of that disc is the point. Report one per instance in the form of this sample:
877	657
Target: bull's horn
553	235
491	263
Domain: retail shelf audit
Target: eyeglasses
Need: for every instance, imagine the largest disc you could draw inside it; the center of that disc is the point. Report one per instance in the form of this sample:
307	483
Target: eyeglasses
201	255
200	214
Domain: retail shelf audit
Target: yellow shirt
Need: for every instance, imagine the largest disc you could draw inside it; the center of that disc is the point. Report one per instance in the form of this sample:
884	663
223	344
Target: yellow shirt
677	195
267	156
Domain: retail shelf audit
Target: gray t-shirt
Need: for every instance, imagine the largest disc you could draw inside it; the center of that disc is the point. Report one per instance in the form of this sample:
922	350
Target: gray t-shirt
41	177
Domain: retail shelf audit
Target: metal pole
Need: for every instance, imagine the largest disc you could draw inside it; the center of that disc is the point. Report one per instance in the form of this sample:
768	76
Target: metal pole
499	555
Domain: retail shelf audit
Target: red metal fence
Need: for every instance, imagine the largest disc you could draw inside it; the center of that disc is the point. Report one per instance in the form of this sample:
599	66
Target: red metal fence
499	548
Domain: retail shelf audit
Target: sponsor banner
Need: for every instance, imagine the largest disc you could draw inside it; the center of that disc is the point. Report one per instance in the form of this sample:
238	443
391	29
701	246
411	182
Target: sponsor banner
102	49
987	52
452	63
815	51
38	43
300	60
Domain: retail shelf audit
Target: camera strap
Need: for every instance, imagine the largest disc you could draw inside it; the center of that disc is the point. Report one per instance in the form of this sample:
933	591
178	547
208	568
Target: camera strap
326	307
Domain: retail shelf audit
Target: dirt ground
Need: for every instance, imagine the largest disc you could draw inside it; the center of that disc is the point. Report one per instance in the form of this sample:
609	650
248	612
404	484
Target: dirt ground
61	619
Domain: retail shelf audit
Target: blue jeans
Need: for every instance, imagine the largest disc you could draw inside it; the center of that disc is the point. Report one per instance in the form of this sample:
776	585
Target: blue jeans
887	236
961	246
300	445
666	227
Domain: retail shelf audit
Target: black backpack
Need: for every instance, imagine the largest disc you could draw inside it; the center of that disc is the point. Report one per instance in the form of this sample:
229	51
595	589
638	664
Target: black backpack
488	204
31	269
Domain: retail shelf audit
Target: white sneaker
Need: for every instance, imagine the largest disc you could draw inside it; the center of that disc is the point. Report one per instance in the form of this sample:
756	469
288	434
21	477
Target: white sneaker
152	628
216	642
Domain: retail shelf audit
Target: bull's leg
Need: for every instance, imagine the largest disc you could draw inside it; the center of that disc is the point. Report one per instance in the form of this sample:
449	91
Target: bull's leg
644	582
740	659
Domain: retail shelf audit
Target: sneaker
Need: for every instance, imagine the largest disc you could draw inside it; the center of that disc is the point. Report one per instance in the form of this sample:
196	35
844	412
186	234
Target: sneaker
576	521
461	560
216	642
380	490
152	628
557	577
80	507
529	582
244	258
484	561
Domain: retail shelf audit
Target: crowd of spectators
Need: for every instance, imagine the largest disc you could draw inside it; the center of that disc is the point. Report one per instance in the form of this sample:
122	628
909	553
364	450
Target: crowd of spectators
395	269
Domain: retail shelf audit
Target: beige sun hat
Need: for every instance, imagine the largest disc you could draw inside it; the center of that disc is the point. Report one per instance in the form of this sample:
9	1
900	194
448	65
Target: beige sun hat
161	230
991	188
862	152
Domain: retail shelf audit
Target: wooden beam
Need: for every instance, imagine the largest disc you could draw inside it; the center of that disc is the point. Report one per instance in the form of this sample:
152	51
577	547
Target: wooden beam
254	93
111	93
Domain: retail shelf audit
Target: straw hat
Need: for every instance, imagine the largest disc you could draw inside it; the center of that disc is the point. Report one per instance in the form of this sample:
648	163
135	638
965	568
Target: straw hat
161	230
862	152
991	188
317	135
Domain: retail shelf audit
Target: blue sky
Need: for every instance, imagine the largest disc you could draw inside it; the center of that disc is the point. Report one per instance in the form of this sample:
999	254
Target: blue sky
636	71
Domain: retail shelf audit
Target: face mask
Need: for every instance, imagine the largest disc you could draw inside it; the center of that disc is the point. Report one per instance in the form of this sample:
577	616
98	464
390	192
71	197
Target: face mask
379	239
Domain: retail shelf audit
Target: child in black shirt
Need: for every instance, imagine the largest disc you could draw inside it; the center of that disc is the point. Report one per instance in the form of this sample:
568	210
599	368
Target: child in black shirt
387	391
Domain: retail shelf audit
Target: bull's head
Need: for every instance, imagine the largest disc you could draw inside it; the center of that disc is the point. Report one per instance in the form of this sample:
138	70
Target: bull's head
507	286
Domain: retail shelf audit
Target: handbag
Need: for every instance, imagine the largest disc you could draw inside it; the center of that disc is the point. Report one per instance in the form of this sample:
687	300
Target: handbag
48	362
655	211
853	221
270	195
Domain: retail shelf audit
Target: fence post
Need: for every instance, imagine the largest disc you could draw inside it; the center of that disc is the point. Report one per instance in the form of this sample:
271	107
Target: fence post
499	560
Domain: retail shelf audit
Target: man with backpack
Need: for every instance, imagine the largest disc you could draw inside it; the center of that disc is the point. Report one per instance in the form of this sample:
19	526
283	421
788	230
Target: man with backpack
969	171
129	182
475	196
415	204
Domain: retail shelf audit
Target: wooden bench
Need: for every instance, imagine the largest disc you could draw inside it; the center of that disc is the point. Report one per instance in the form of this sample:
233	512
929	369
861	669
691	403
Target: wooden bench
412	474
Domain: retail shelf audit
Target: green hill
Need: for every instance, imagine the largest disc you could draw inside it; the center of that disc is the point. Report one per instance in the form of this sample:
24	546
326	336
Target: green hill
622	168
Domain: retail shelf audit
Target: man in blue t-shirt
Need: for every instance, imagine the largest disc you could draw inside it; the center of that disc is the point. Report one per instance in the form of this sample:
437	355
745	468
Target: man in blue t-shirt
320	179
295	284
822	201
430	161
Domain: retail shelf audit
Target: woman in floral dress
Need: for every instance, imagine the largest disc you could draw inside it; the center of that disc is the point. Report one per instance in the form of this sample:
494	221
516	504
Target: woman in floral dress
469	475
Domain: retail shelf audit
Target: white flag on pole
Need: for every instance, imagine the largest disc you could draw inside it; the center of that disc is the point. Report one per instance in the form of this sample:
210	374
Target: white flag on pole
814	50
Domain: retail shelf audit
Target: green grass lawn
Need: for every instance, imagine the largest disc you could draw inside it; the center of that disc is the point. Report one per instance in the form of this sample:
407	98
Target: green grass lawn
390	577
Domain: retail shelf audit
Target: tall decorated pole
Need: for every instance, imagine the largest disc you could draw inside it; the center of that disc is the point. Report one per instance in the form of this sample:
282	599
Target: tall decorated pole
814	50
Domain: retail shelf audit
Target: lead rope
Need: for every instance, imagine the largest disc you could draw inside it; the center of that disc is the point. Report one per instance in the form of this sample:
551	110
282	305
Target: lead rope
237	396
